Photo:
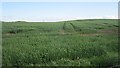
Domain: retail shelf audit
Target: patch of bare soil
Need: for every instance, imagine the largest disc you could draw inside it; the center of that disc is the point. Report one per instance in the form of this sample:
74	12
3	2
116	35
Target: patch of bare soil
109	31
9	34
62	32
90	34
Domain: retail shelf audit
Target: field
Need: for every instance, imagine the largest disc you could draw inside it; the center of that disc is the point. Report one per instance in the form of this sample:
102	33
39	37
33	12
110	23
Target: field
67	43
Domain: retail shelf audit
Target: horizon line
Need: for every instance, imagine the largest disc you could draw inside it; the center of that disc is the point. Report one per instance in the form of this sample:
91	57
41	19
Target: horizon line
58	21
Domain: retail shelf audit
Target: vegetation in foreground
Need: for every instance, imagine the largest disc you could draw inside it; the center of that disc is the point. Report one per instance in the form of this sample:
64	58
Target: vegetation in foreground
67	43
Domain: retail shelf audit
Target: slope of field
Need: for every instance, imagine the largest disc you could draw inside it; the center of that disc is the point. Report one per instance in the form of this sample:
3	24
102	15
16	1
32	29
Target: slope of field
67	43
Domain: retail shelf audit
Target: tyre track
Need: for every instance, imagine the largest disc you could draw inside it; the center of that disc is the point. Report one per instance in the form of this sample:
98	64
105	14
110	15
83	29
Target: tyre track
75	28
64	26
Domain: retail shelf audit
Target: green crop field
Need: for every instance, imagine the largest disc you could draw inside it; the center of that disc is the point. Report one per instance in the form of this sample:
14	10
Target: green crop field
67	43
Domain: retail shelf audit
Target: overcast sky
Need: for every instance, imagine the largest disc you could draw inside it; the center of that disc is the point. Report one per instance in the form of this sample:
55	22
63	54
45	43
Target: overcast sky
57	11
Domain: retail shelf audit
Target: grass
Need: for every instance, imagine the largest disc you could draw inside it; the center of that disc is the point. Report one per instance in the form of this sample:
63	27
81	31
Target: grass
67	43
